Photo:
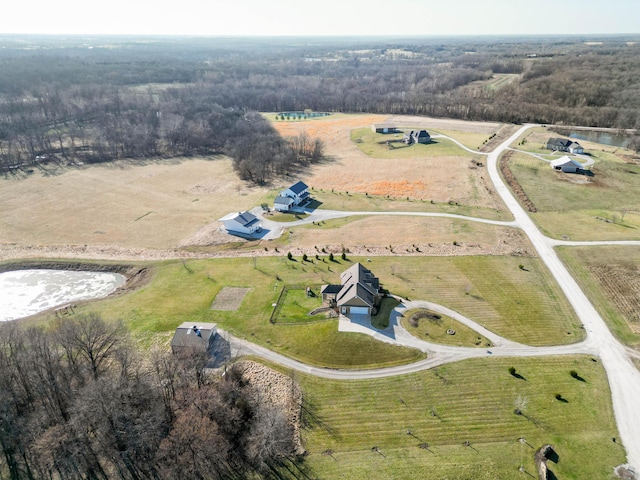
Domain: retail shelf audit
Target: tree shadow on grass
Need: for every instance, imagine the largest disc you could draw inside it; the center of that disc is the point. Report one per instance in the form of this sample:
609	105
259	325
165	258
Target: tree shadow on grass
311	419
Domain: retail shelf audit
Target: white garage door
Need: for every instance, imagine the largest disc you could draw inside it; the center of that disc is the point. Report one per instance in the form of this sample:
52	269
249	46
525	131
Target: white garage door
359	310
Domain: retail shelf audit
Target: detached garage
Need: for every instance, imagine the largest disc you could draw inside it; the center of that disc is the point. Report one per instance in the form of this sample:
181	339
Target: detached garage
566	164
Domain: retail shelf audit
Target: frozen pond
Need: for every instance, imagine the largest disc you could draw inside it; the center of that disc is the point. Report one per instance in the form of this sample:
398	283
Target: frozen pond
27	292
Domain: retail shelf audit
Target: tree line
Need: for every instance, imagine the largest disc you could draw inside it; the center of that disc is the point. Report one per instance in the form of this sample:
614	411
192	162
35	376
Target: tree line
78	401
63	101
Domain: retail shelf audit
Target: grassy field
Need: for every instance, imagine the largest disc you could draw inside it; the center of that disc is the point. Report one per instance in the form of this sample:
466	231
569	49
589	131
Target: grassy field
611	276
432	329
602	207
379	145
523	306
470	401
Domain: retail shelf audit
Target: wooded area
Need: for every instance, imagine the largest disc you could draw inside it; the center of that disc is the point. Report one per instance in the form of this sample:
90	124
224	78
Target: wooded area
79	401
94	99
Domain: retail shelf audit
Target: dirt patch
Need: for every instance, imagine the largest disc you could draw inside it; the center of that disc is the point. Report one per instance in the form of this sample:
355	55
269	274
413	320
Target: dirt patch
279	390
229	298
621	283
511	180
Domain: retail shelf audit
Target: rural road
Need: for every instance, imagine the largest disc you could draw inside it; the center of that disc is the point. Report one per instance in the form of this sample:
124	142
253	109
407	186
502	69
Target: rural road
624	378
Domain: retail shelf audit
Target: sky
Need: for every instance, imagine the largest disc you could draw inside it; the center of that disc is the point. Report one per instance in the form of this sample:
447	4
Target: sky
321	17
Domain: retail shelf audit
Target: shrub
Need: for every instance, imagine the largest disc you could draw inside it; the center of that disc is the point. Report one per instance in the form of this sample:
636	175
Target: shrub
331	257
512	370
573	373
289	256
344	256
304	257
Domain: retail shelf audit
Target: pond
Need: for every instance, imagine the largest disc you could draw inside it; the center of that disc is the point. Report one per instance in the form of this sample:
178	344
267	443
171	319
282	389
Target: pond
27	292
606	138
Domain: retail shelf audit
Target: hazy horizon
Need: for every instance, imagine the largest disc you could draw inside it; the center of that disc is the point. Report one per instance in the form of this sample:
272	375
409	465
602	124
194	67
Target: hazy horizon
290	18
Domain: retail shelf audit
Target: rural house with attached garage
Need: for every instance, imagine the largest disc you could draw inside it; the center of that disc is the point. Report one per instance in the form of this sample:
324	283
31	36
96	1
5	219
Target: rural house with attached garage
296	194
566	164
416	136
358	292
241	222
564	145
193	338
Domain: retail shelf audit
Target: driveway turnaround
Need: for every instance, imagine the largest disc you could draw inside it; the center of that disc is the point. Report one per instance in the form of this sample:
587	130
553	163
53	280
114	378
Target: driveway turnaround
623	377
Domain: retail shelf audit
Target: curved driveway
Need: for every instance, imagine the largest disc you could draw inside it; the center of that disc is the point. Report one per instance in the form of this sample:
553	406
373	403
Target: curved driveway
624	378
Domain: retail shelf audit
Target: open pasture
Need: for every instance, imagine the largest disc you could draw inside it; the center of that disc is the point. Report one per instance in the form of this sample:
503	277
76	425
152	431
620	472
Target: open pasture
580	207
154	205
440	172
470	401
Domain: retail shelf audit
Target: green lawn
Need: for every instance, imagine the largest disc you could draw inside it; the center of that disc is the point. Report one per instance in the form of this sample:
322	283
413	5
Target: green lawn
525	306
605	208
296	305
381	319
435	330
375	145
467	401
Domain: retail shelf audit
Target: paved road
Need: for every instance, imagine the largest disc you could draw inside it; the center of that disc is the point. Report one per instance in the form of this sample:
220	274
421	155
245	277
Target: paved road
624	378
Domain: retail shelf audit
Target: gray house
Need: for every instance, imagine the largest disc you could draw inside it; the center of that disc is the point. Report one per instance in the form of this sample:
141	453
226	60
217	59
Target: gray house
564	145
358	292
241	222
416	136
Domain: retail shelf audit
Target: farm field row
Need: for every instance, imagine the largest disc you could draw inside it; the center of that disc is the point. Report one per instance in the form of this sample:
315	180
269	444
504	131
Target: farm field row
444	408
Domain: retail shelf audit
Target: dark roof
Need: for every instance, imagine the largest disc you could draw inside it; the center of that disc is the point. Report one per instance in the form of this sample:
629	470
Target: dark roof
565	142
284	200
246	218
330	289
358	282
298	187
185	336
423	133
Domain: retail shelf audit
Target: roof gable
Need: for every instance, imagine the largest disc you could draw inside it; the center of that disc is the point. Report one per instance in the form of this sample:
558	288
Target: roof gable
298	187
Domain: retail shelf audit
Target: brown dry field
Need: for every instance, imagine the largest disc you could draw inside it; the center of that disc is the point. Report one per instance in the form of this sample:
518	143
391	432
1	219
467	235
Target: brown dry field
154	210
151	206
405	236
422	178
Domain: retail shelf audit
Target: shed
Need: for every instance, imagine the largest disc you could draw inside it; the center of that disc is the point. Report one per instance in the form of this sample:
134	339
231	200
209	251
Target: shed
193	338
384	128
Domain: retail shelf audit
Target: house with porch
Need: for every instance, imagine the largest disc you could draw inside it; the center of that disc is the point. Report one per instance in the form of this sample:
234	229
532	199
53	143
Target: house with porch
564	145
358	292
298	194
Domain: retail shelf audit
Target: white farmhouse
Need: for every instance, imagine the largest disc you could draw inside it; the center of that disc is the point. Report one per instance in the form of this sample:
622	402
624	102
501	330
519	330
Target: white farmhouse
296	194
241	222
